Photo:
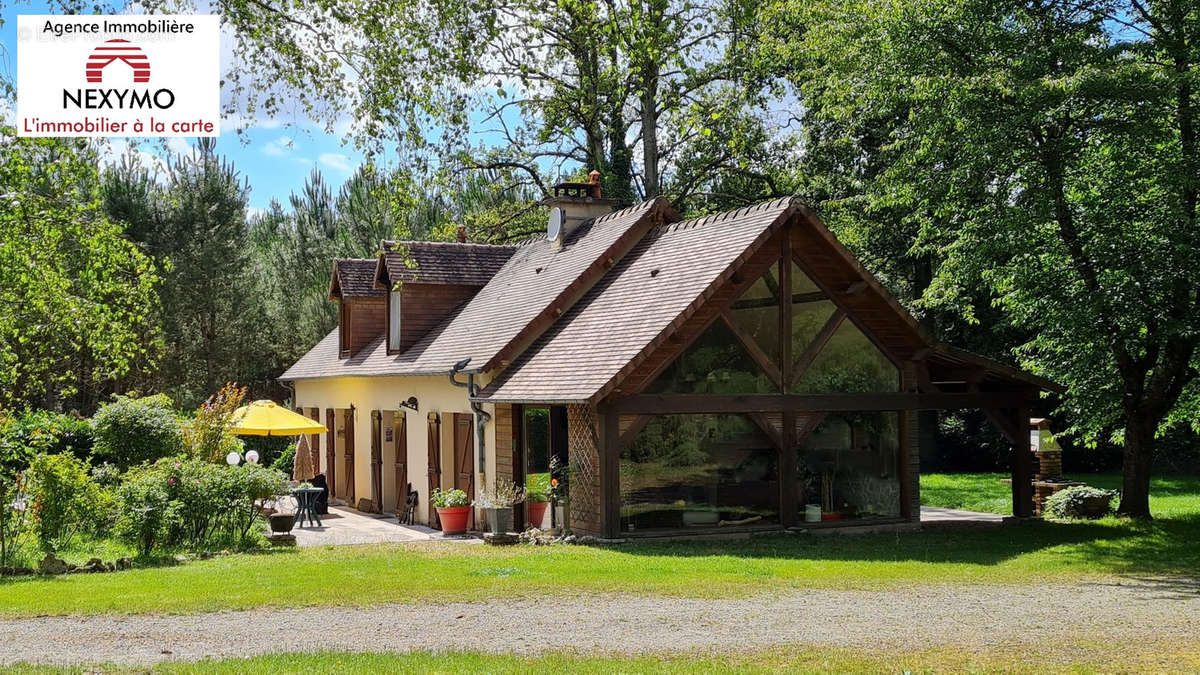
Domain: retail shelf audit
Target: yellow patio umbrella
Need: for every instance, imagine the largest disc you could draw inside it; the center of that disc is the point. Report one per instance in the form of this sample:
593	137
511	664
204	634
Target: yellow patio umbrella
267	418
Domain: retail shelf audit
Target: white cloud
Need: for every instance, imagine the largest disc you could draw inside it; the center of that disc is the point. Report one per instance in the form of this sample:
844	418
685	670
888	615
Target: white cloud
179	145
336	161
253	212
279	147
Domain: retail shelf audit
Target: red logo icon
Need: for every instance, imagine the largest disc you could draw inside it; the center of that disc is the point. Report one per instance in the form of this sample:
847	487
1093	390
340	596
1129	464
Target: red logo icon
118	50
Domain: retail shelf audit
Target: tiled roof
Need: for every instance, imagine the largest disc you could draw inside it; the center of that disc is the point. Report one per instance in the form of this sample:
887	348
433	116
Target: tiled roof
660	279
355	278
538	281
437	262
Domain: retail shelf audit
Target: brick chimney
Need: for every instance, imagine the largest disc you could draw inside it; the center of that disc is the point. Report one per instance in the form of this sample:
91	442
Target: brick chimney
572	204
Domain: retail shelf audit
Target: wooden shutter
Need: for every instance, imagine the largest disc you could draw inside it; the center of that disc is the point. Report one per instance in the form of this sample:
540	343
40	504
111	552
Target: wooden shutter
435	465
330	452
349	422
400	424
377	460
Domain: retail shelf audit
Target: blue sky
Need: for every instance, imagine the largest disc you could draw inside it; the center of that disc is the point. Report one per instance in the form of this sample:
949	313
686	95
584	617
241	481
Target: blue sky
275	158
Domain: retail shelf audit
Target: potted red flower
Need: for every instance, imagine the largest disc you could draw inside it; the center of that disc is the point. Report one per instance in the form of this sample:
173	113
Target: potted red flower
453	509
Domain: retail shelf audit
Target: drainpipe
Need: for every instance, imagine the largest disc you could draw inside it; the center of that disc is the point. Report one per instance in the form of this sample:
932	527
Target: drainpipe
482	417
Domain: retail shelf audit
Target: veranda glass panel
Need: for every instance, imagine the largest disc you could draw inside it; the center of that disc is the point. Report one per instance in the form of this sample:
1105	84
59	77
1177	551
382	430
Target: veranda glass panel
810	311
848	468
801	283
716	363
849	363
691	471
808	318
756	313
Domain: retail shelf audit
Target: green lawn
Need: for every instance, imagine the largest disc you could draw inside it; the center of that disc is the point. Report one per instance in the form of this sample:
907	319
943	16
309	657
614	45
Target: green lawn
366	575
1068	658
1171	497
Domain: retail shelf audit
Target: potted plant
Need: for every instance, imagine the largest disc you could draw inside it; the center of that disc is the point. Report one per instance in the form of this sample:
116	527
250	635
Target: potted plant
498	502
282	523
453	509
537	497
536	503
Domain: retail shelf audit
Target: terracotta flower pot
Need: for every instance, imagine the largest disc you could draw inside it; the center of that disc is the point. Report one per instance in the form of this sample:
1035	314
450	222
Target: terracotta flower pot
535	512
454	519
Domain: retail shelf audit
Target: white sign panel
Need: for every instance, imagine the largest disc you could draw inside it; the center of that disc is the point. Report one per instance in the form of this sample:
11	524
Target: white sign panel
100	76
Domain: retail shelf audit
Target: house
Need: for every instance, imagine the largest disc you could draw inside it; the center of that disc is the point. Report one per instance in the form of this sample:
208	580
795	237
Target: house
739	371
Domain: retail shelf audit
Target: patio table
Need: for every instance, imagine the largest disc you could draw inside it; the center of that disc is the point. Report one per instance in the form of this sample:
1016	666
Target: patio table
306	505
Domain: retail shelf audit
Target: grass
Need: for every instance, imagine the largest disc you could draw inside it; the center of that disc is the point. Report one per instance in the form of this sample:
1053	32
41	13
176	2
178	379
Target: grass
1070	658
368	575
1171	497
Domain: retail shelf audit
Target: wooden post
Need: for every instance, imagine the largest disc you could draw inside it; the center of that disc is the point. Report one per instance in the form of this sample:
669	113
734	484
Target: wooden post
1022	465
1014	424
519	463
610	467
788	505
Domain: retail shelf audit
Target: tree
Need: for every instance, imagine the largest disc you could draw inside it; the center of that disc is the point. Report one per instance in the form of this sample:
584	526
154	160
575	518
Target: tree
1049	154
623	86
78	299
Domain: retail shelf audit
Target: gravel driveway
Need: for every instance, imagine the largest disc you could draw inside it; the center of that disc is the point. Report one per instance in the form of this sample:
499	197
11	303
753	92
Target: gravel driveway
909	618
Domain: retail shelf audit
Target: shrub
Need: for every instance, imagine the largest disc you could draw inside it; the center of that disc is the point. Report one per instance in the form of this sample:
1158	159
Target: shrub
36	432
12	513
208	435
131	431
448	499
1080	501
144	508
65	500
285	460
182	501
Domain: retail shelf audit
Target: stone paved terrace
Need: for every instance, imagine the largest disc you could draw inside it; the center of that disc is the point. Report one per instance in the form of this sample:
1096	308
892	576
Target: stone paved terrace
936	517
346	526
343	526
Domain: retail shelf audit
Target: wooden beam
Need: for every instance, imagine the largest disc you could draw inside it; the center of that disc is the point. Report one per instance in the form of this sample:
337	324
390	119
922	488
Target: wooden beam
788	497
767	428
751	346
797	298
810	352
683	404
634	429
785	315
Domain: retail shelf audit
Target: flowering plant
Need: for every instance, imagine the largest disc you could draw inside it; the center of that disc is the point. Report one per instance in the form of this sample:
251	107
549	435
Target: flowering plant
448	499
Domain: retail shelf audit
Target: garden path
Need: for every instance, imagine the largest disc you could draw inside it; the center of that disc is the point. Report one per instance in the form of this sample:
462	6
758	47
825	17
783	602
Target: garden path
969	617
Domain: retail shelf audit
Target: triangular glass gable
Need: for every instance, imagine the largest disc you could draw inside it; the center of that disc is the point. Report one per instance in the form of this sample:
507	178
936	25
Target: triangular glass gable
849	363
810	311
716	363
756	314
801	283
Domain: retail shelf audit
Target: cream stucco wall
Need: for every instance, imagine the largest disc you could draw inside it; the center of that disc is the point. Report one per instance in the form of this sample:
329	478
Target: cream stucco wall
434	394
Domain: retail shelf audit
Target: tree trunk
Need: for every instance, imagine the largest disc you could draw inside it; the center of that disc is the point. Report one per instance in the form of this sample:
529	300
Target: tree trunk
649	96
1135	468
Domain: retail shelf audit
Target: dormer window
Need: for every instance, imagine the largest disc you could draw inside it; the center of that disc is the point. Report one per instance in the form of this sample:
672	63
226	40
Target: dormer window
393	336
